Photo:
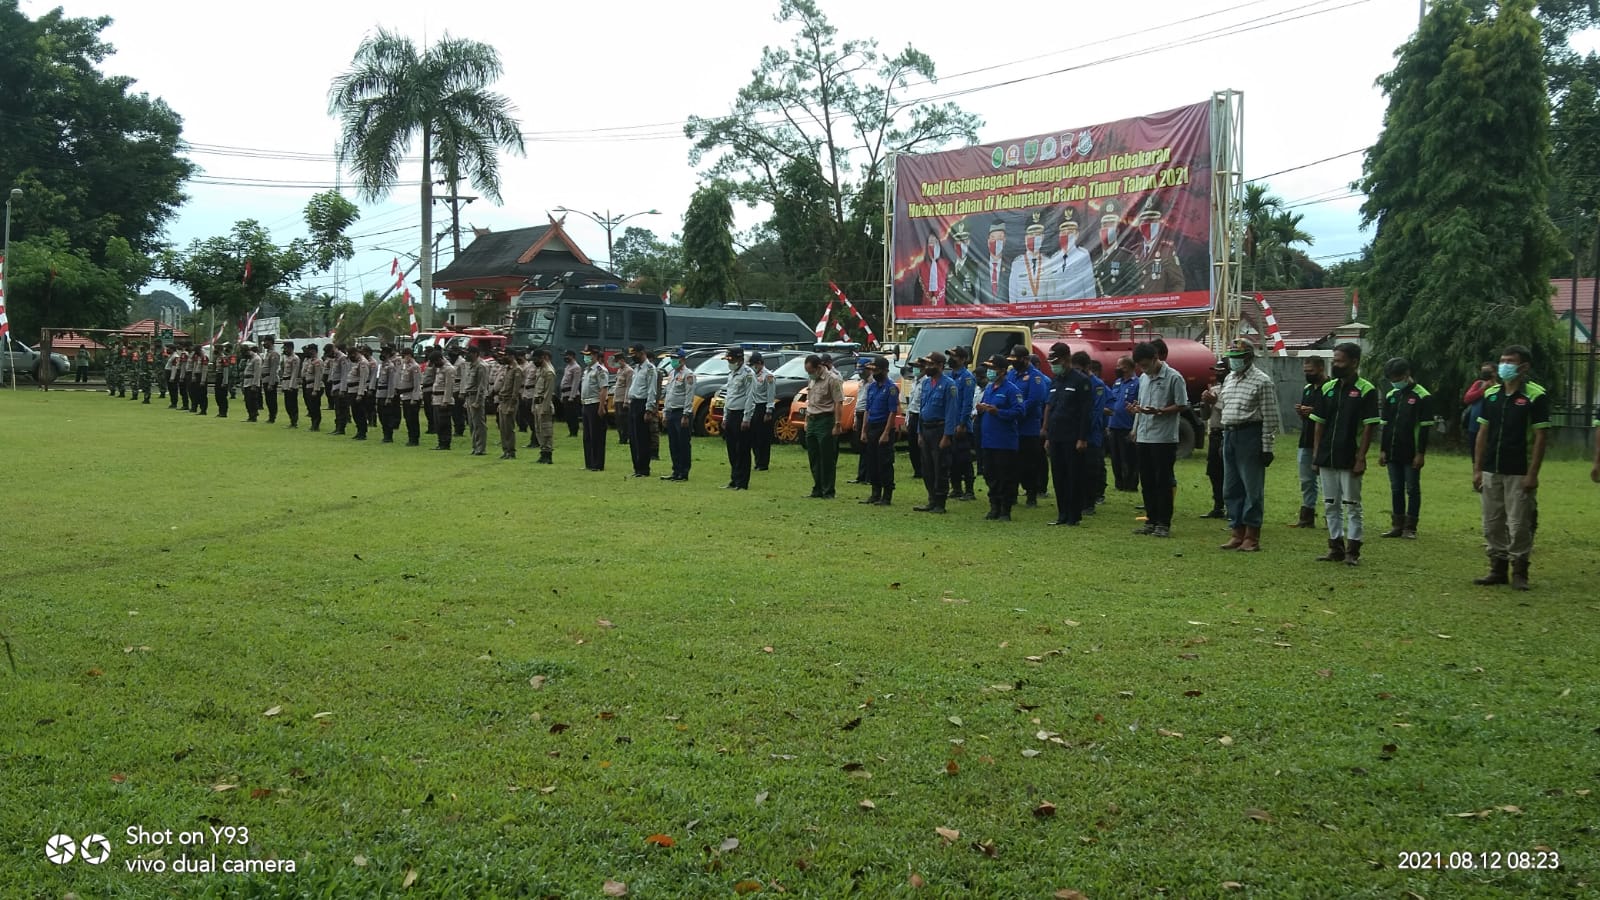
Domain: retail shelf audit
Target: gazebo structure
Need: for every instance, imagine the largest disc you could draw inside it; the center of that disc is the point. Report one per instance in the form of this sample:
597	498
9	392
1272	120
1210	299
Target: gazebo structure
497	266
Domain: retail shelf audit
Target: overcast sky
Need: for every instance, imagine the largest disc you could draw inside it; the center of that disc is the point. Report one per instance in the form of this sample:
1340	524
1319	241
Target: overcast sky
602	89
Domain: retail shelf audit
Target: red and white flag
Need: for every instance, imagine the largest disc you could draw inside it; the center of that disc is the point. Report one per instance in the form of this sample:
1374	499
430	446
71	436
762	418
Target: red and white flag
822	323
1273	334
411	313
1355	306
249	323
394	267
666	297
339	321
5	324
246	278
872	339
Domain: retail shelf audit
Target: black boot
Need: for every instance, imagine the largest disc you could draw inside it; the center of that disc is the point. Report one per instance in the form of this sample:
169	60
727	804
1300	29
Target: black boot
1308	518
1352	553
1033	500
994	509
1497	573
544	457
877	495
1519	575
1409	531
1005	511
1335	551
888	497
1396	527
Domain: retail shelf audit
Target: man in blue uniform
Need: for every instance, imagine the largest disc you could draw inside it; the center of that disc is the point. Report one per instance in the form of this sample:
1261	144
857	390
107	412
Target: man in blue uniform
961	475
941	413
880	398
1032	466
1000	409
1069	416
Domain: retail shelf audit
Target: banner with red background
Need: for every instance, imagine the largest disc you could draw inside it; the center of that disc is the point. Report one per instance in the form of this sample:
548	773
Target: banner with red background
1105	221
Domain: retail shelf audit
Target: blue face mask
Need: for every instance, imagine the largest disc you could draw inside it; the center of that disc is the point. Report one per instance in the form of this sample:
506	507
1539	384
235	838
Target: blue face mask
1399	385
587	359
1508	371
1235	364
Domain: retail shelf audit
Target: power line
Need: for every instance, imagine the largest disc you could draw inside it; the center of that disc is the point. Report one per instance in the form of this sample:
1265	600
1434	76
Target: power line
1308	165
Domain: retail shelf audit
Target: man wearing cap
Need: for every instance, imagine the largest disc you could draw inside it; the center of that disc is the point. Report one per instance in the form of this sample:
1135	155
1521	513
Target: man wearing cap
508	400
941	413
571	391
310	378
880	398
1407	419
1069	272
737	402
1000	409
1315	371
763	396
541	405
207	373
173	368
824	399
441	397
337	369
593	393
474	395
253	376
642	395
679	405
358	390
1069	414
1250	424
1033	467
1028	276
962	479
271	370
621	381
409	378
289	383
386	394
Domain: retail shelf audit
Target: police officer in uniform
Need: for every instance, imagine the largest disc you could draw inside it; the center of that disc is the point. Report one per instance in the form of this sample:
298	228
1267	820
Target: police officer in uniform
474	393
680	408
508	401
310	378
289	383
442	397
880	398
541	406
593	393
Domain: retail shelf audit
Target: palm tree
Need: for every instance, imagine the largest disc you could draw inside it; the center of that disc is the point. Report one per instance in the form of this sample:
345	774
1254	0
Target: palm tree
1283	230
1258	209
393	93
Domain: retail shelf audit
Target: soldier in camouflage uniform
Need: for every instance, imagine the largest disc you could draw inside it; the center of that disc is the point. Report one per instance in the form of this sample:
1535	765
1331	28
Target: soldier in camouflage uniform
146	372
113	366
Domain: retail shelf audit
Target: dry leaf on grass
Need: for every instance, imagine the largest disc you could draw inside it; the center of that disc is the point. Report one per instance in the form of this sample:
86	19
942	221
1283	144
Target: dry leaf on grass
604	623
1045	809
660	840
728	845
548	789
916	881
410	879
748	886
1172	734
558	727
956	721
767	649
321	715
219	788
273	711
260	793
614	888
1069	894
1030	753
1225	741
950	835
1193	693
987	848
1259	815
761	798
359	861
538	681
118	778
867	804
1233	886
950	767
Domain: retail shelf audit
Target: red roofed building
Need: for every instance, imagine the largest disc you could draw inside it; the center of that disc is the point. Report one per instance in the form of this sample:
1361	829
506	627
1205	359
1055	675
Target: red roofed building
150	328
1563	304
1310	319
70	342
497	266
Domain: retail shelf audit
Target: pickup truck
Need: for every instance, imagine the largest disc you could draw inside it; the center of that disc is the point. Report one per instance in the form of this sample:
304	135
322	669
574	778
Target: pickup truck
24	358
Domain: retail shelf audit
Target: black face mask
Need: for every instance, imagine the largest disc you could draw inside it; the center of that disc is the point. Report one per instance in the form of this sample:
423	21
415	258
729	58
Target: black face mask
1313	378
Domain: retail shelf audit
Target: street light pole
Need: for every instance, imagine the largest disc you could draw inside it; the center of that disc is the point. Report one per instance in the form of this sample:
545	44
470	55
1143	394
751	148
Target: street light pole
609	222
5	280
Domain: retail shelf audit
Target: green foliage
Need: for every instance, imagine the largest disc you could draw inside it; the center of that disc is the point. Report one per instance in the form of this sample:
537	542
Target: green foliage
1362	710
213	270
809	136
1457	186
651	264
393	94
93	158
53	284
328	216
1272	262
708	255
1348	272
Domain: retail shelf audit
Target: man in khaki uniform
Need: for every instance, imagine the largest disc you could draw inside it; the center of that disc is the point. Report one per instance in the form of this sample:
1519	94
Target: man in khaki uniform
311	385
508	397
254	373
409	379
619	393
474	391
542	405
271	366
289	383
356	377
442	394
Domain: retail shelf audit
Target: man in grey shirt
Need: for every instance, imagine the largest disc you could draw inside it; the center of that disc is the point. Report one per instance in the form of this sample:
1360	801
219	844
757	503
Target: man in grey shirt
643	390
1162	397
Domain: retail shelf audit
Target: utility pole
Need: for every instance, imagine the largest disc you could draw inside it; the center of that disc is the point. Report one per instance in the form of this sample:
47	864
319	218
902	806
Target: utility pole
456	201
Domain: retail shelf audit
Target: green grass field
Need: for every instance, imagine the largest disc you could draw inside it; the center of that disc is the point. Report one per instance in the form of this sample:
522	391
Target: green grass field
409	672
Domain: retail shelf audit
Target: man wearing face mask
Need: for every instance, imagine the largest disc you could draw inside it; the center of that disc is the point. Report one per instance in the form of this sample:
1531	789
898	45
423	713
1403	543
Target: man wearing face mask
1407	420
1505	466
541	405
680	407
571	391
1033	467
880	398
1162	398
1346	416
1123	395
824	398
1250	424
941	412
593	393
737	401
999	410
962	479
642	392
1068	418
1071	273
1316	374
758	427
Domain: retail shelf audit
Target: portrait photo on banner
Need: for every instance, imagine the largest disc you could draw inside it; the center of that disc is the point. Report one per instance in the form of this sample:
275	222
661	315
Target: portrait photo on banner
1111	219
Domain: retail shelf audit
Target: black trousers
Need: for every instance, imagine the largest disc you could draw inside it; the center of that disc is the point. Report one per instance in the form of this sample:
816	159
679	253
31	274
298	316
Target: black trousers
198	399
1095	460
291	407
389	416
441	425
252	402
641	437
176	392
1069	465
594	437
1155	474
913	443
427	412
1000	472
880	457
571	410
760	436
935	463
314	408
678	436
961	476
341	412
1124	463
1214	468
411	409
362	411
458	415
269	393
738	441
1031	464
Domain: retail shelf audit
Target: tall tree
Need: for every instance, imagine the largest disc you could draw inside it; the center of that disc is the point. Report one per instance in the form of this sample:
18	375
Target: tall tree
810	134
53	284
215	271
708	254
328	216
1457	185
650	264
394	94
